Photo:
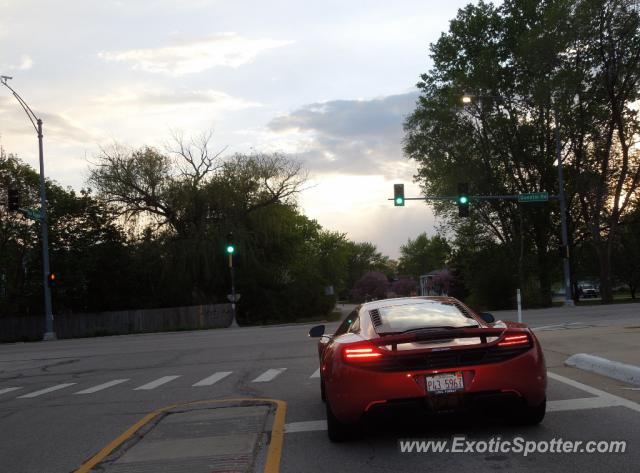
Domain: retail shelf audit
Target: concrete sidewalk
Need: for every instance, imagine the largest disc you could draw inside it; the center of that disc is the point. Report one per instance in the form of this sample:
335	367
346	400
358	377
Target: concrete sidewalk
615	343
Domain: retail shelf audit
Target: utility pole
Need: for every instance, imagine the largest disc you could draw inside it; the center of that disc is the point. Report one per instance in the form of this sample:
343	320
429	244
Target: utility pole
568	300
49	333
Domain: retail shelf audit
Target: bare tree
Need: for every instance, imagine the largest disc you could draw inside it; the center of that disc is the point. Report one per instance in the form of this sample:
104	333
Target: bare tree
182	188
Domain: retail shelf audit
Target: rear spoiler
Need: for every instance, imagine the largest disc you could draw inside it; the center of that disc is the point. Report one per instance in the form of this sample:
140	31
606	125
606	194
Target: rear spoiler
425	335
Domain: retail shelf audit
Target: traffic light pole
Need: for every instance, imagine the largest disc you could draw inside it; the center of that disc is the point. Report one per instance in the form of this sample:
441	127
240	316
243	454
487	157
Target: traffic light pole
568	300
49	333
234	320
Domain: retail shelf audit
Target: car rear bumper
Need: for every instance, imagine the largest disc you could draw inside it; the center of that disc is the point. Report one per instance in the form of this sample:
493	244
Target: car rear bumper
353	391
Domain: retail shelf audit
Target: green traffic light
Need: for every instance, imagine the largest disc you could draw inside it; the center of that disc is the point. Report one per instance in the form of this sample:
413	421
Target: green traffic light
463	199
399	201
231	249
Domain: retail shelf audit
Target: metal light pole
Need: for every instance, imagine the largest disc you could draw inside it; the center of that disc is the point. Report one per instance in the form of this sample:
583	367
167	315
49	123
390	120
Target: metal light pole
234	321
49	333
568	300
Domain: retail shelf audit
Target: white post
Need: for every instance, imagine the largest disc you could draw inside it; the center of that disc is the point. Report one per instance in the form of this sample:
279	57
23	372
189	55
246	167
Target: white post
519	299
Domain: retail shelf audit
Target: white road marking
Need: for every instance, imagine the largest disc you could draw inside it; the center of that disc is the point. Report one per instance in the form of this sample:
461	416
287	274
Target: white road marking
309	426
316	374
579	404
8	390
45	391
269	375
100	387
214	378
158	382
615	400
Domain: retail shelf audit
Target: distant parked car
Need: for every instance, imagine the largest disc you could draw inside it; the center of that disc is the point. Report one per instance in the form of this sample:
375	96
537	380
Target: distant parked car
589	290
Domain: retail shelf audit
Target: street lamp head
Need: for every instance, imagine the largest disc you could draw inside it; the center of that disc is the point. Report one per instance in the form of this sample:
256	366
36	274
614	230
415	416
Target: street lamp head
4	79
466	98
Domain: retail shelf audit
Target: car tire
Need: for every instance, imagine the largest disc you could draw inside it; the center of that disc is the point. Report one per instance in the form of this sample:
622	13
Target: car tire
338	431
532	415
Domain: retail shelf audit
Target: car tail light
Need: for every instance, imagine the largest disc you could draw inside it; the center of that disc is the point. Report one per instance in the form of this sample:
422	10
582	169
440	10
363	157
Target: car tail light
360	353
515	340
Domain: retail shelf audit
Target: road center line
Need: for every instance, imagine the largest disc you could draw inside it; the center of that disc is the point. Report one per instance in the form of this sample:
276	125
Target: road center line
158	382
46	390
100	387
269	375
214	378
316	374
8	390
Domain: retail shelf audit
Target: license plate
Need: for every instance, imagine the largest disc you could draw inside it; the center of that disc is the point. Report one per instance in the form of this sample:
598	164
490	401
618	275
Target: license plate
445	383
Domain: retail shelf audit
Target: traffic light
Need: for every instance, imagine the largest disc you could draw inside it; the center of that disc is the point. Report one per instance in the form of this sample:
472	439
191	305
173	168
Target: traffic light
463	199
231	246
52	279
13	200
398	195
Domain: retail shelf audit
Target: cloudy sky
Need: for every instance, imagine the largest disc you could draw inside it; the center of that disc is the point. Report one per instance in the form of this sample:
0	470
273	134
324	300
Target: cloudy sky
327	82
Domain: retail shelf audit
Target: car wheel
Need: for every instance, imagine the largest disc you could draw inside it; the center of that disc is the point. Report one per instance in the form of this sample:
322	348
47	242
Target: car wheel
532	415
338	431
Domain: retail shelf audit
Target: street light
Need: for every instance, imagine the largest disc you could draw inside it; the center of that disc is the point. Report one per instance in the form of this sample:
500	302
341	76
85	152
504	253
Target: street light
49	334
568	301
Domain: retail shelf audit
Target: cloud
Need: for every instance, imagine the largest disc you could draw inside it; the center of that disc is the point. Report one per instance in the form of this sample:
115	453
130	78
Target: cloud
25	63
171	98
189	57
55	126
361	137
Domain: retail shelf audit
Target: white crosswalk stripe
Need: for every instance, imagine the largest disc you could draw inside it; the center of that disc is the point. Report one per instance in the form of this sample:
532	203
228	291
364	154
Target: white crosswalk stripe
158	382
269	375
102	386
316	374
45	391
214	378
8	390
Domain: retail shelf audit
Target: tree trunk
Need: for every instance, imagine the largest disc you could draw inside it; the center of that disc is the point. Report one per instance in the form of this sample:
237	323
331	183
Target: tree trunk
632	290
604	255
544	276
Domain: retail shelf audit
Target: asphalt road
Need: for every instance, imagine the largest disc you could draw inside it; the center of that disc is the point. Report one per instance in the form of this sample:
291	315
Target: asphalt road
62	401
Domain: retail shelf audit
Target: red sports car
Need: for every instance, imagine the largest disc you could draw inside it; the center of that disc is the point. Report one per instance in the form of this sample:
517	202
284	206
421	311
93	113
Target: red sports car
432	352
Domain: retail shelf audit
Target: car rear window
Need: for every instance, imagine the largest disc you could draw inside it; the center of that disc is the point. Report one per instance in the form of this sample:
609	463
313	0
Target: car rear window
417	315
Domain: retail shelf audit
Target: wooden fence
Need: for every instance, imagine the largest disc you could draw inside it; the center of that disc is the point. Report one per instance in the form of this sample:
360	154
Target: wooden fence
15	329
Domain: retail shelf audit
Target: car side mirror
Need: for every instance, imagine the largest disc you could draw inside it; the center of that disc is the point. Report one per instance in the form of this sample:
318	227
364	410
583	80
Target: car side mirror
317	331
487	317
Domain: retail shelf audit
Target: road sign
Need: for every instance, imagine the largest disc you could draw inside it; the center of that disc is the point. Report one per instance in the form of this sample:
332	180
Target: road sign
230	297
534	197
32	214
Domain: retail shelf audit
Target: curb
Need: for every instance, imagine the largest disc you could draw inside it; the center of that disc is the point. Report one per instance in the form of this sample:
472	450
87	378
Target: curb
612	369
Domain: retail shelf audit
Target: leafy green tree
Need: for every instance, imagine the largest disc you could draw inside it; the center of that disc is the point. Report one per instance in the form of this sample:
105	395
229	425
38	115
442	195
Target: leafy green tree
364	257
87	249
424	254
522	60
